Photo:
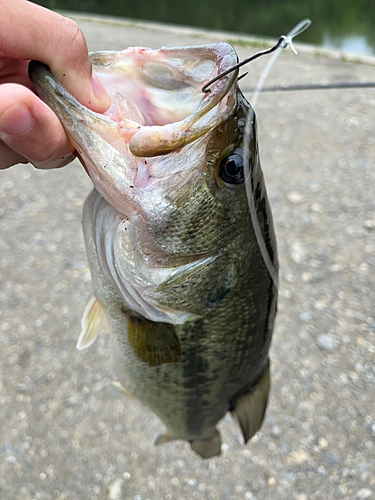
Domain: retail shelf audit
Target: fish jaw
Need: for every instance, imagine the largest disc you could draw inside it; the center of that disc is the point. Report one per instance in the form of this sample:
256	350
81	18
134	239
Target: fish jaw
100	148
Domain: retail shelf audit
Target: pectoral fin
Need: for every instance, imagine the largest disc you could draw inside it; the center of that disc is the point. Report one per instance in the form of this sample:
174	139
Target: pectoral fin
93	319
249	409
208	447
154	343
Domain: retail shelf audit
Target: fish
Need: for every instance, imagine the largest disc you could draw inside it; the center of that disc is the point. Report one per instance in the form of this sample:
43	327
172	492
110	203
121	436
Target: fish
177	273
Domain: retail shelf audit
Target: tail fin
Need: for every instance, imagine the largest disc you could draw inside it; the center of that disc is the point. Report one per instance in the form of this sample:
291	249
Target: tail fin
208	447
249	410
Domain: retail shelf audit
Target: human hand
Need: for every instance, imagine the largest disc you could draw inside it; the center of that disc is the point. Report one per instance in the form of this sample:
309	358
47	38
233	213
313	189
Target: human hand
29	130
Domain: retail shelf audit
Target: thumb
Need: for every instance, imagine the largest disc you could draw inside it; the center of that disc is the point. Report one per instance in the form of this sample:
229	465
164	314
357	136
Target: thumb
29	31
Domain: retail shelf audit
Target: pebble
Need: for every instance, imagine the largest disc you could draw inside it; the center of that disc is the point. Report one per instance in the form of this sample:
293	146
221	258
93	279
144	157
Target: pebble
300	496
114	489
344	378
297	252
364	493
249	495
315	207
336	267
305	316
306	277
299	456
322	443
326	342
322	470
295	197
331	458
276	431
369	224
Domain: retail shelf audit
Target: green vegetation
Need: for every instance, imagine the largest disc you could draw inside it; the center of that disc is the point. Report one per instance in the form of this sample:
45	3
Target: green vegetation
332	19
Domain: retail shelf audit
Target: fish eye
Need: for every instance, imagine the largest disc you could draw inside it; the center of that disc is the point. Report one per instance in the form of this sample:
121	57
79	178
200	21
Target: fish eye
231	169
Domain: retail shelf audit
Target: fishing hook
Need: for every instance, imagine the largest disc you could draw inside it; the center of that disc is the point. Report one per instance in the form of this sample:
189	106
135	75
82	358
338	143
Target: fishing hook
282	43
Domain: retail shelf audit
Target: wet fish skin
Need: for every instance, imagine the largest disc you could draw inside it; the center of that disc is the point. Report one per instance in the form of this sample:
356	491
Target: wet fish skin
196	345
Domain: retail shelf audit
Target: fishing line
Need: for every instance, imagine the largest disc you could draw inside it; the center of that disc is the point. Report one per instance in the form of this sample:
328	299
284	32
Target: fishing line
311	86
283	42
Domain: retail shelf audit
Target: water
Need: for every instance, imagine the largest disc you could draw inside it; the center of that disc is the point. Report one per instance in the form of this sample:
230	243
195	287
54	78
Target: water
337	24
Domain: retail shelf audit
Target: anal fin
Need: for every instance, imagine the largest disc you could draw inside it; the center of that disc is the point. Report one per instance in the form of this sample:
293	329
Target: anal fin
93	319
208	447
163	438
249	409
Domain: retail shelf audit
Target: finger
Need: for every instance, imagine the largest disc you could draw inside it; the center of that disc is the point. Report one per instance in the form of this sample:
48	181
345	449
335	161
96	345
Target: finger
8	157
55	41
31	129
14	71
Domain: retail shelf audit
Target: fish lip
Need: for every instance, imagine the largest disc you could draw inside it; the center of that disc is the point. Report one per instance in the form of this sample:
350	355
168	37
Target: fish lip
49	88
93	135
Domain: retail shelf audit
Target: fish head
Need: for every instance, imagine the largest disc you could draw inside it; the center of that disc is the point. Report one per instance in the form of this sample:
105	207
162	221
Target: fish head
166	159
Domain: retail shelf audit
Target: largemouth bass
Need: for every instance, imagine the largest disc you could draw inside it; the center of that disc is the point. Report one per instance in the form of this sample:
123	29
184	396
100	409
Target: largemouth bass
175	263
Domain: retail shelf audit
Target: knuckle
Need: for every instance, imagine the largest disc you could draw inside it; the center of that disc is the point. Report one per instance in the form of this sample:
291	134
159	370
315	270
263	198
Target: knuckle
75	39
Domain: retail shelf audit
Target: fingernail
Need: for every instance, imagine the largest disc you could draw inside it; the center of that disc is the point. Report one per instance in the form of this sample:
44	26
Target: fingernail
99	89
16	120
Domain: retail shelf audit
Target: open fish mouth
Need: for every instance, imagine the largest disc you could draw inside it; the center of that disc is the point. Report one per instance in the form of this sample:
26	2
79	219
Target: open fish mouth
164	108
157	108
145	155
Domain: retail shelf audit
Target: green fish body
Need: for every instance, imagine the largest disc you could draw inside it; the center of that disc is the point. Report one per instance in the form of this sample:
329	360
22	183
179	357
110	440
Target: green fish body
176	267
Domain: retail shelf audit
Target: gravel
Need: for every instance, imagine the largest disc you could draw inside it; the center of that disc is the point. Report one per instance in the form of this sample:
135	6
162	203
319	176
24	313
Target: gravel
326	342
